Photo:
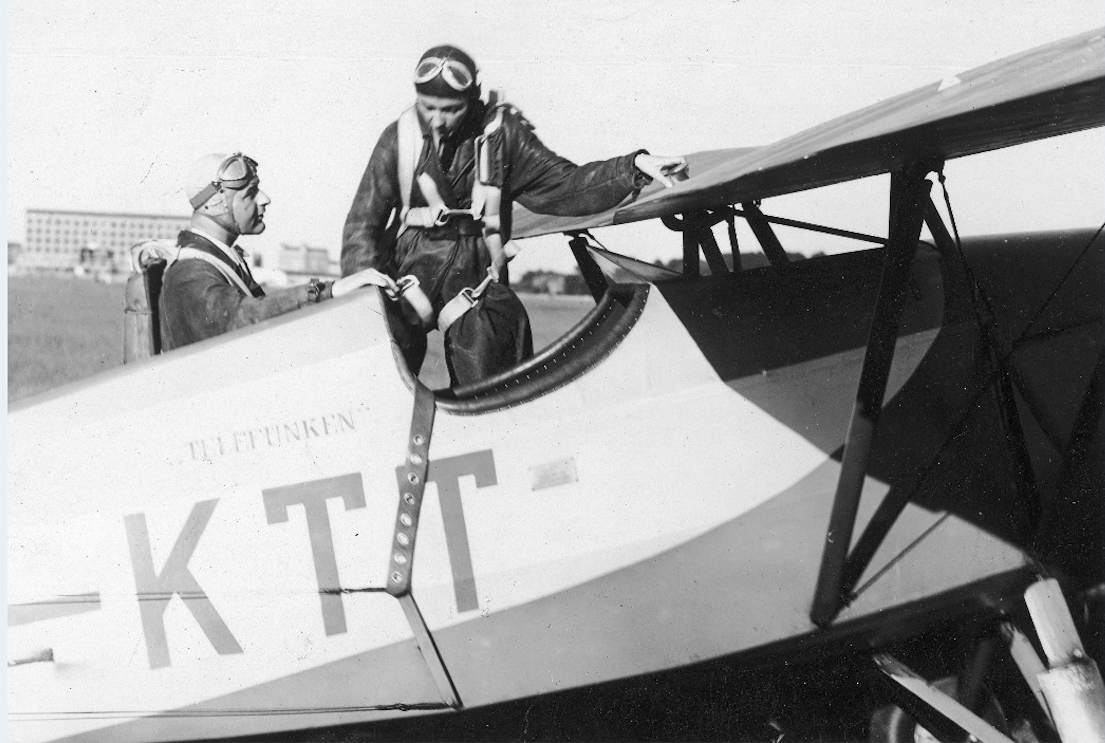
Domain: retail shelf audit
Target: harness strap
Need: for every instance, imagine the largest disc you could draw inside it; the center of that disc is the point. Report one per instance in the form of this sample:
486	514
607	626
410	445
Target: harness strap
428	216
147	252
409	147
409	290
231	276
465	300
405	288
486	198
486	208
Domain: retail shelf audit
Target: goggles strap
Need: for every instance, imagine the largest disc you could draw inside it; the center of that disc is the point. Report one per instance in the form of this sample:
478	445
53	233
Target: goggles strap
212	188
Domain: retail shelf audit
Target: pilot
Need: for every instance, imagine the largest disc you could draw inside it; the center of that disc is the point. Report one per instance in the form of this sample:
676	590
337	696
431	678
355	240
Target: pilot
451	190
208	289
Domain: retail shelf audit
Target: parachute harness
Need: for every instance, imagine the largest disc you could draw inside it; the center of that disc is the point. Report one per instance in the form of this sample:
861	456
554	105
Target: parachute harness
485	209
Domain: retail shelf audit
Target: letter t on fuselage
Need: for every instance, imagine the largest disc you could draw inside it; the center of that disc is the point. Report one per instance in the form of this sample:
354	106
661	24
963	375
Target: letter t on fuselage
313	496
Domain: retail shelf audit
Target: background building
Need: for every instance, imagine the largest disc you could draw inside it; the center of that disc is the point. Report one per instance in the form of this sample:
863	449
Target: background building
56	238
303	260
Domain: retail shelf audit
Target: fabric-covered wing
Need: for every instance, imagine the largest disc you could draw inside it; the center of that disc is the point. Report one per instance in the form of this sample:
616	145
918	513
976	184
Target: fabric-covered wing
530	224
1054	89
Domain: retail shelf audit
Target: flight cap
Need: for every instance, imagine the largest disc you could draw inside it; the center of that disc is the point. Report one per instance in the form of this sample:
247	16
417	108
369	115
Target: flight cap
214	172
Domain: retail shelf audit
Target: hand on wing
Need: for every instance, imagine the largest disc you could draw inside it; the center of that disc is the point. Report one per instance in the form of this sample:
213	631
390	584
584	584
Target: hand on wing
660	168
369	276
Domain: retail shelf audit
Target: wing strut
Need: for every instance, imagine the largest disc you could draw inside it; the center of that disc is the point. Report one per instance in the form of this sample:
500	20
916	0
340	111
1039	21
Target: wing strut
761	228
884	517
592	274
697	232
909	191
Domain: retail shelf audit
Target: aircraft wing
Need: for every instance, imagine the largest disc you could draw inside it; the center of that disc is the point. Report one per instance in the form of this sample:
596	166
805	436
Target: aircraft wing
1054	89
531	224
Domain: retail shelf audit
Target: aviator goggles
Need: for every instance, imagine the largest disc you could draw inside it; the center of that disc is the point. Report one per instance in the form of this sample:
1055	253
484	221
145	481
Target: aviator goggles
455	73
236	171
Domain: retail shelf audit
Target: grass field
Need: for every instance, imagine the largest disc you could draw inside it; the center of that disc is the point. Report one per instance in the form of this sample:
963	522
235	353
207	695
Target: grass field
61	330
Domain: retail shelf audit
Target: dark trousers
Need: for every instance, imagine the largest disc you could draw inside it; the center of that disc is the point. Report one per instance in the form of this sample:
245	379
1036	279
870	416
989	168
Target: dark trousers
488	339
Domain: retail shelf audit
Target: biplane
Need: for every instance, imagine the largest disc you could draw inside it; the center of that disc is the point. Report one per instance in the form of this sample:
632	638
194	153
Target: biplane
284	531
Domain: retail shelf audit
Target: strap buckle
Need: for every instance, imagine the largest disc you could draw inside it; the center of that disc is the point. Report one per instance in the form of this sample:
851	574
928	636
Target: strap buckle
402	286
442	217
468	294
407	288
465	300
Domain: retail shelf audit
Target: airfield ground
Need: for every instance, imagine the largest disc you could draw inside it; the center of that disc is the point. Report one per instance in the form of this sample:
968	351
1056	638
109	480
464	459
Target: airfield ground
64	329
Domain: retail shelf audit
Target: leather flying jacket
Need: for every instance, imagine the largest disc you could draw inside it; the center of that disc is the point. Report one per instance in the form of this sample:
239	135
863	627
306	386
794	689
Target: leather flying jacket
198	302
528	171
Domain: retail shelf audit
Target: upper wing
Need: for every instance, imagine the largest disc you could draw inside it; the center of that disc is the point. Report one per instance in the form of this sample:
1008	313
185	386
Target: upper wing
530	224
1054	89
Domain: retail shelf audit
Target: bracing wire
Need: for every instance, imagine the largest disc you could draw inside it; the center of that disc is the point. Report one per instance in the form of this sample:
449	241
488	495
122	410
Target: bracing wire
997	373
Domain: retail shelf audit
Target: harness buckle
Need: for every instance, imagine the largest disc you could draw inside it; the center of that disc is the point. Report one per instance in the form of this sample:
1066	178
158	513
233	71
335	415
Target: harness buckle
469	295
442	217
402	284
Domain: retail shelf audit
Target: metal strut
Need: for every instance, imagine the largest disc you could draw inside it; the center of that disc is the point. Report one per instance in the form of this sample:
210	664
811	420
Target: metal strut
412	486
1069	689
695	227
592	274
770	220
887	513
761	228
945	718
697	233
908	202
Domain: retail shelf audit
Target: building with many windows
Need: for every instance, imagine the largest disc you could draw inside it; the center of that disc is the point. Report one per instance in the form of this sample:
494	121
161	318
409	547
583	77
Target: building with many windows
56	238
305	260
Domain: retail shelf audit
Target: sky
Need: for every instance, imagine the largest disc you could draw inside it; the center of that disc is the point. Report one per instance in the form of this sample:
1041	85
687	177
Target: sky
110	101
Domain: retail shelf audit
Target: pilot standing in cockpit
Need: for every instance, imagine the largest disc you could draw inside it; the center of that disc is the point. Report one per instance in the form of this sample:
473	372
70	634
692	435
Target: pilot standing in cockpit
449	170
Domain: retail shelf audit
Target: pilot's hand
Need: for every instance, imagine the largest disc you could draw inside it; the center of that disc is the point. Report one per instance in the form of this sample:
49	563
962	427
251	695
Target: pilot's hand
367	277
661	168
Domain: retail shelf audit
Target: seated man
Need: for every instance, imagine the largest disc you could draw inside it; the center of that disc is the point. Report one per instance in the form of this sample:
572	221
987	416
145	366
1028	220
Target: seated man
445	176
208	289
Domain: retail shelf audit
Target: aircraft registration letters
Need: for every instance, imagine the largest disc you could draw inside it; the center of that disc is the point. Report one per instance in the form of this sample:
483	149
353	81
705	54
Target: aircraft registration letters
156	587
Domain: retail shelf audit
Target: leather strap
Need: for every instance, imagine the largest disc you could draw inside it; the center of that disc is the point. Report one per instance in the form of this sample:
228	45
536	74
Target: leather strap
455	308
409	148
412	486
410	290
230	274
485	210
411	477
